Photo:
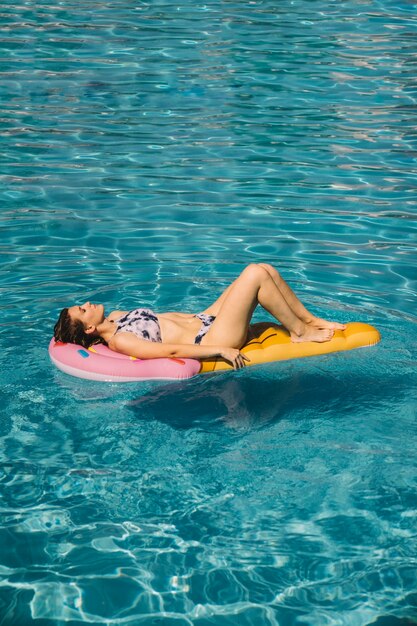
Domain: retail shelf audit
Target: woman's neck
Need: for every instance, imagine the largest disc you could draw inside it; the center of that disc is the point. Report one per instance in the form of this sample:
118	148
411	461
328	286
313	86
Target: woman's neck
106	329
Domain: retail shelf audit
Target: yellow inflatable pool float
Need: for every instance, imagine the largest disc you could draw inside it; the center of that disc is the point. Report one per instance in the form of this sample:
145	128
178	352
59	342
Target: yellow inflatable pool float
270	342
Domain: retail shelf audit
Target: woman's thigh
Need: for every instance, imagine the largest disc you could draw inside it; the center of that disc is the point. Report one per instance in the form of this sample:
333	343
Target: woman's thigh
237	306
214	308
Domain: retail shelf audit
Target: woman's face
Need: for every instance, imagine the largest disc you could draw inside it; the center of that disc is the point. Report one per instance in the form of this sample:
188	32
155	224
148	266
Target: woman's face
89	314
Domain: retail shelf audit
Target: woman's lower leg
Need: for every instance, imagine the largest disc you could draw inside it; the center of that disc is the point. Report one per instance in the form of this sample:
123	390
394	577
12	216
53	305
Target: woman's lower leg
295	304
271	298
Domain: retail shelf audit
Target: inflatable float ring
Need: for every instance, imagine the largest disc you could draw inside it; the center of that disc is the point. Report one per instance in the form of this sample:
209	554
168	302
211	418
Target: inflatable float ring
266	343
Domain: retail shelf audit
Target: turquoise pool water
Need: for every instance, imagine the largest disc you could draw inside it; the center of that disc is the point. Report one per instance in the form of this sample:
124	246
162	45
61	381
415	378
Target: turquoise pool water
149	151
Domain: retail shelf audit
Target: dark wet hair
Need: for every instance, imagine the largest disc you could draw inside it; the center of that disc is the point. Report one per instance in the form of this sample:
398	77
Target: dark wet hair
68	330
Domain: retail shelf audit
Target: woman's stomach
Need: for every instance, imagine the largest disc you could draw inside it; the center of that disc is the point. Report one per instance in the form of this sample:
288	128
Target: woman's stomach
178	327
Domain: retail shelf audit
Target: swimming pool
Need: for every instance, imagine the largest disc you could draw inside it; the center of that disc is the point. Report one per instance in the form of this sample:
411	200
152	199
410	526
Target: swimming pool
150	151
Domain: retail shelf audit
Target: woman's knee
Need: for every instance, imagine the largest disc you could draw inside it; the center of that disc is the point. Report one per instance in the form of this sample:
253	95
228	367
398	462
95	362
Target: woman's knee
255	271
272	271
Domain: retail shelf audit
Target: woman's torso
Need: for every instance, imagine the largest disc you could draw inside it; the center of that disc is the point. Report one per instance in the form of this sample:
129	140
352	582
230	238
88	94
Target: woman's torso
174	327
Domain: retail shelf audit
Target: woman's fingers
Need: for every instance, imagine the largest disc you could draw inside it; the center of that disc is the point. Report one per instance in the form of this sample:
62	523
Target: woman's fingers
235	357
243	358
240	361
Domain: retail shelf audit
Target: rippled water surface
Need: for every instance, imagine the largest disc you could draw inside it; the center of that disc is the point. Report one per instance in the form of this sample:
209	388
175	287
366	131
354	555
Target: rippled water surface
149	151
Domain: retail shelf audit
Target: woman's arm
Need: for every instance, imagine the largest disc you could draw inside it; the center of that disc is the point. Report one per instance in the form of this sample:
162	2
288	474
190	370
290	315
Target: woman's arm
128	343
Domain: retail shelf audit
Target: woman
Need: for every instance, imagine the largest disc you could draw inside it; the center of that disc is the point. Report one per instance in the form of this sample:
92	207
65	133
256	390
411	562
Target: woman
220	330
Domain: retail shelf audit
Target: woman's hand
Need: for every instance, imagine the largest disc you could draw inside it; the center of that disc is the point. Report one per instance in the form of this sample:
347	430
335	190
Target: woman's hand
234	356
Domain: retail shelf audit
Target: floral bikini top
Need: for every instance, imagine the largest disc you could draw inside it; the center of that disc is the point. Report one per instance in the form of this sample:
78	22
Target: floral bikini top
143	323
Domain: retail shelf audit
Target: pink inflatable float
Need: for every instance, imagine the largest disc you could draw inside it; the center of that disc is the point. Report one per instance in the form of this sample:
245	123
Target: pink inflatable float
101	363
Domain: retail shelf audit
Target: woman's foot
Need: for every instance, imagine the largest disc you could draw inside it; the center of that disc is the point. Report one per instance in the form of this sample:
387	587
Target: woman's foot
317	322
310	333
